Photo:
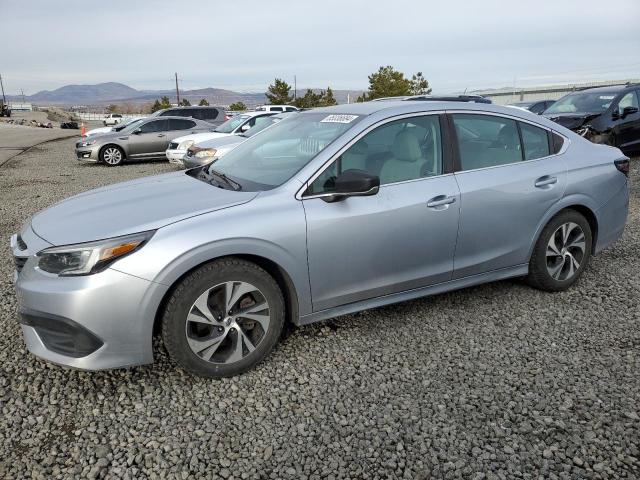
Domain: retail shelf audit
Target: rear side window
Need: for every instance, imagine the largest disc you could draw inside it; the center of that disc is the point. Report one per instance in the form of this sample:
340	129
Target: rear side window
556	142
276	109
178	124
535	141
486	141
208	114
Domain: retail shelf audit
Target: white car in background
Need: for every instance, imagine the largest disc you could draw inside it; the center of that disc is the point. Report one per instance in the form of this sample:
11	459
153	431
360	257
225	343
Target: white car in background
112	119
234	126
117	128
276	108
210	150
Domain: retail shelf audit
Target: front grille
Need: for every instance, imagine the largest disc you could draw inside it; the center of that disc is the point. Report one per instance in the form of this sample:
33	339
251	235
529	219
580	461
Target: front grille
20	242
173	146
19	262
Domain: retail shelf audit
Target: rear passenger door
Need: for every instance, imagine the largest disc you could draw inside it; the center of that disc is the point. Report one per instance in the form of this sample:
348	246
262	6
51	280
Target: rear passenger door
508	181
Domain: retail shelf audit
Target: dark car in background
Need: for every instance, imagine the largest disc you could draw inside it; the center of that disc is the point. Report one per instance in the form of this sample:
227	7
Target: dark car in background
607	115
213	115
536	107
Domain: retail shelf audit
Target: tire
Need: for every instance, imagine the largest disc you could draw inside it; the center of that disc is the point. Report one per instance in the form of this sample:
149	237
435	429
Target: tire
206	341
561	253
112	155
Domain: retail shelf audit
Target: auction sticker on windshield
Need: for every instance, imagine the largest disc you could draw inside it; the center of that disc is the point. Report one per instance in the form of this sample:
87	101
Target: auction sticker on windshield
339	118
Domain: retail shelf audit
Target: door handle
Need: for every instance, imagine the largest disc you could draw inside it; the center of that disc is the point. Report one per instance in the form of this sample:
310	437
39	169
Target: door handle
161	135
545	181
440	201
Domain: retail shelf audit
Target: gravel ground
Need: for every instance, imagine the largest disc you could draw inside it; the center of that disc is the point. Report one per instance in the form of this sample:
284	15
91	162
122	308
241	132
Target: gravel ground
496	382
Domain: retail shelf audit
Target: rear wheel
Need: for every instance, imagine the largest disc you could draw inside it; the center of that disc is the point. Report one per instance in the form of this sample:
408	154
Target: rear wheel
223	318
112	155
561	253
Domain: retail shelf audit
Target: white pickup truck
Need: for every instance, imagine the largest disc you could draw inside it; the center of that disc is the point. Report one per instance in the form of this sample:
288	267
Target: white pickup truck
112	119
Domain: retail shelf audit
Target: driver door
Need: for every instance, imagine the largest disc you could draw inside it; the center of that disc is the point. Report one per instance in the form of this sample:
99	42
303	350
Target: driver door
403	237
150	140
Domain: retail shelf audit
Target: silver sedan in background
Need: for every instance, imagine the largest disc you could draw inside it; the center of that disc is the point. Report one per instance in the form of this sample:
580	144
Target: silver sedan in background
144	140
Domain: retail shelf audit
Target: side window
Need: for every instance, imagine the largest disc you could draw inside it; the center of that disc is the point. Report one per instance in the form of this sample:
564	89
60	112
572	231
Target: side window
178	124
486	141
538	108
209	113
535	141
169	113
154	126
557	142
397	151
628	100
289	109
276	109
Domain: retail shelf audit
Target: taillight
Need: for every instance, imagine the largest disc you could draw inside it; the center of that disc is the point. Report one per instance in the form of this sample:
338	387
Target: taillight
226	117
623	166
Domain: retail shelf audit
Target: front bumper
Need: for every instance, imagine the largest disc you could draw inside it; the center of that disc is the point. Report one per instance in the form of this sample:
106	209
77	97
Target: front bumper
88	154
88	322
175	156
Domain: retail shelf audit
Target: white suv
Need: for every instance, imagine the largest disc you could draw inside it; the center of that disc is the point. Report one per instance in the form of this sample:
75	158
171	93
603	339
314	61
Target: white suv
112	119
277	108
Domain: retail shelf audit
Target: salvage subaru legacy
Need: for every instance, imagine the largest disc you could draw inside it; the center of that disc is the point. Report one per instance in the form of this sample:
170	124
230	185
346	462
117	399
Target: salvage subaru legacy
332	211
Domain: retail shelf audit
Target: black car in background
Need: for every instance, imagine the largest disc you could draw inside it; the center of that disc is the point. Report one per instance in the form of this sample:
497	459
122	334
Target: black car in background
606	115
213	115
537	107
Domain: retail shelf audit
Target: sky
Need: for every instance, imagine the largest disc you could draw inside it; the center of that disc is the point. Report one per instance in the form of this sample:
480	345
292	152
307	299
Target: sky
244	45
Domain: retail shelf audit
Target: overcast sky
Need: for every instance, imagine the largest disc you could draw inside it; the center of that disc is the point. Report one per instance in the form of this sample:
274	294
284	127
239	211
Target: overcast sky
243	45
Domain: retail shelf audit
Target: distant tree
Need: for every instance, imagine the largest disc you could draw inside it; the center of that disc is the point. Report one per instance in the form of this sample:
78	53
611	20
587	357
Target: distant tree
386	82
113	108
156	106
160	104
309	100
238	106
419	85
327	99
185	103
278	92
203	103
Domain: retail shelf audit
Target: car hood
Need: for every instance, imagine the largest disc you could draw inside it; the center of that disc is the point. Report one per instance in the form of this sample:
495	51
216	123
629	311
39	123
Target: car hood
571	121
222	142
196	137
131	207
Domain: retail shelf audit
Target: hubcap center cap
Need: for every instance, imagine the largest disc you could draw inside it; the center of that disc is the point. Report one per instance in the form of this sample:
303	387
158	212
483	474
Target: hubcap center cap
228	321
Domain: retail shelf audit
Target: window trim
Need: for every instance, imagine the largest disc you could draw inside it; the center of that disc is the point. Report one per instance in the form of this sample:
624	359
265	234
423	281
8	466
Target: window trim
456	149
445	137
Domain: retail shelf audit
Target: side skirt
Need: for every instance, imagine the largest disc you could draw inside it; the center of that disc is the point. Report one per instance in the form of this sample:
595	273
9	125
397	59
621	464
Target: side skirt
493	276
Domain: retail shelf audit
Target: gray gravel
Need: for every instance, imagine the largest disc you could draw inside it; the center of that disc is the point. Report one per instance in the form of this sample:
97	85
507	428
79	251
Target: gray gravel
494	382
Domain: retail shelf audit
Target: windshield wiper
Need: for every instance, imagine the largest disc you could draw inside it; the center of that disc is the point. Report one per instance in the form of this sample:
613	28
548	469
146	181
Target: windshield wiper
232	183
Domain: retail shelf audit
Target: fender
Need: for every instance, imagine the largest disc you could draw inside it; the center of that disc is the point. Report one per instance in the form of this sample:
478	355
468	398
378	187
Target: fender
564	202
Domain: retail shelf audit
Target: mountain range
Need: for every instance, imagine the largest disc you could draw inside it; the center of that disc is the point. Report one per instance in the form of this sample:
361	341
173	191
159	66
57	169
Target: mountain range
119	93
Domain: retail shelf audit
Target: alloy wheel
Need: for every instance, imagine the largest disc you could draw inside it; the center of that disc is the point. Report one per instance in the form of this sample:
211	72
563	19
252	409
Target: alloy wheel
227	322
112	156
565	251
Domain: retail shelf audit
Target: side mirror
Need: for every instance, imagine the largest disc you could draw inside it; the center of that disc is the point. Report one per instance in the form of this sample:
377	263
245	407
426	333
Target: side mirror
629	111
245	127
354	183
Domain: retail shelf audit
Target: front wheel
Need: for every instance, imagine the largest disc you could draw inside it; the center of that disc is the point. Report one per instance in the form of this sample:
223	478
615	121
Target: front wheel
561	253
112	155
223	318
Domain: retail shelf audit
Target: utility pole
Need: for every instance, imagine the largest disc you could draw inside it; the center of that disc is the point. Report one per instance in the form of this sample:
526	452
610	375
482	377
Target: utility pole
177	91
295	88
22	92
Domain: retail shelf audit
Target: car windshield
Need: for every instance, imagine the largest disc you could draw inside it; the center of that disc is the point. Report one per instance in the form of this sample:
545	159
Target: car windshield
582	103
268	160
261	124
231	124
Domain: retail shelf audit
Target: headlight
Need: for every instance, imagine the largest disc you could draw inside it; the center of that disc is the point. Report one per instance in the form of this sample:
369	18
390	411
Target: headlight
186	144
89	258
206	153
87	143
